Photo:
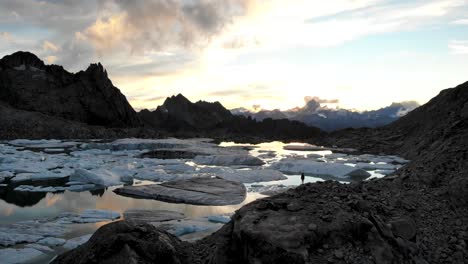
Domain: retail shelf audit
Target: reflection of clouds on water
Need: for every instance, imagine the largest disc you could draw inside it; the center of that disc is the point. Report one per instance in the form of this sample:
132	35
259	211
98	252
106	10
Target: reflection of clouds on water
8	211
52	199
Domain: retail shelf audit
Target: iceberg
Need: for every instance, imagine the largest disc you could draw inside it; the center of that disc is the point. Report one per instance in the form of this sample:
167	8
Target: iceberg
245	175
197	191
295	166
77	241
228	160
101	177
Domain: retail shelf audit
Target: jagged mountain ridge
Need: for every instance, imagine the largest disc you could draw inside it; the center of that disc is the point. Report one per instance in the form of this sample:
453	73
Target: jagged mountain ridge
88	96
329	119
43	96
177	113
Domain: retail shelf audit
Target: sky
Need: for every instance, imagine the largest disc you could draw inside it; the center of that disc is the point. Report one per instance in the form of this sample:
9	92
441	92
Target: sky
358	54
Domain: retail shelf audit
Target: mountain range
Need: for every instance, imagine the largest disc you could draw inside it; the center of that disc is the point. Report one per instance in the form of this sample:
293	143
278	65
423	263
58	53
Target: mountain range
46	101
330	119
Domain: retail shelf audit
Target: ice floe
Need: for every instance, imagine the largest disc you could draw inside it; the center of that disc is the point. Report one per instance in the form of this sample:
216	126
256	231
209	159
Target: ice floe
197	190
228	160
101	177
52	241
76	242
309	167
245	175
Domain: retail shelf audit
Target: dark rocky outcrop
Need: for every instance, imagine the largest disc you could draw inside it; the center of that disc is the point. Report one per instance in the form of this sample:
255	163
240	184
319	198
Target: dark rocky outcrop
181	117
129	242
89	96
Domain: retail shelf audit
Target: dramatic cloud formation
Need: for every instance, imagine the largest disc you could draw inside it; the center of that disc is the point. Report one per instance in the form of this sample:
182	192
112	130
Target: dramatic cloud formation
143	26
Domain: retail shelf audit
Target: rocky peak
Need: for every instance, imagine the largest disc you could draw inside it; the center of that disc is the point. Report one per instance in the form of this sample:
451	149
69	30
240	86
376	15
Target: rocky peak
20	58
87	96
96	69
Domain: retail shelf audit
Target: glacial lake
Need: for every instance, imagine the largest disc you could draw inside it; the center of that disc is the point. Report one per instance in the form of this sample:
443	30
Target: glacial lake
46	164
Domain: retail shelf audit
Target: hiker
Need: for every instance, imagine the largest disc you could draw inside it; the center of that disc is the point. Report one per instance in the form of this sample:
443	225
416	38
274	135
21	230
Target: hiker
302	178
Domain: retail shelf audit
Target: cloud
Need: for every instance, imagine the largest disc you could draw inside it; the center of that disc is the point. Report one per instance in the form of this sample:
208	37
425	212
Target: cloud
459	46
320	100
6	36
51	59
145	26
460	22
49	46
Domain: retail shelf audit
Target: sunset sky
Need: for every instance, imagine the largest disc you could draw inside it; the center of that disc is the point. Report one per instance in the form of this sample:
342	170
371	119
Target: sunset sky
271	53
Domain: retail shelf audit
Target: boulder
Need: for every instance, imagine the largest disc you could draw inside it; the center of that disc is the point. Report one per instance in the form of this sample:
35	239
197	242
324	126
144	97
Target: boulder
128	242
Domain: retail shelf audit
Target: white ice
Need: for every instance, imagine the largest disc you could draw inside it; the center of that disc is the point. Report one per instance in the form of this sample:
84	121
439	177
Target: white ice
228	160
77	241
309	167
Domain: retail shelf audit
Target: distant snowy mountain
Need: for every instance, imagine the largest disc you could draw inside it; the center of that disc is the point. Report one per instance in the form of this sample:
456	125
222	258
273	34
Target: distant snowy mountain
329	119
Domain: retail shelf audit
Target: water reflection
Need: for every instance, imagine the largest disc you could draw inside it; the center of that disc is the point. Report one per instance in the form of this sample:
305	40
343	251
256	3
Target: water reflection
51	204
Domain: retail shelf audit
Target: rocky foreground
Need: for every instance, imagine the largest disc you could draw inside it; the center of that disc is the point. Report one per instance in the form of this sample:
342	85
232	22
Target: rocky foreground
418	215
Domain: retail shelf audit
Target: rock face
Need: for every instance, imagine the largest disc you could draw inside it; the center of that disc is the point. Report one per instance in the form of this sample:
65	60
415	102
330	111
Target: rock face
179	115
198	190
88	96
127	242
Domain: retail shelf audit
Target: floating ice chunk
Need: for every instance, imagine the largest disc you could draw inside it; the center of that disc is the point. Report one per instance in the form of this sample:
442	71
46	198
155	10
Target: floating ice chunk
21	255
314	156
77	241
159	175
13	238
42	248
47	175
100	214
376	166
318	168
385	172
82	187
228	160
245	176
52	241
335	156
223	219
88	216
100	177
42	143
197	190
303	147
30	188
54	150
178	168
4	175
188	229
152	216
